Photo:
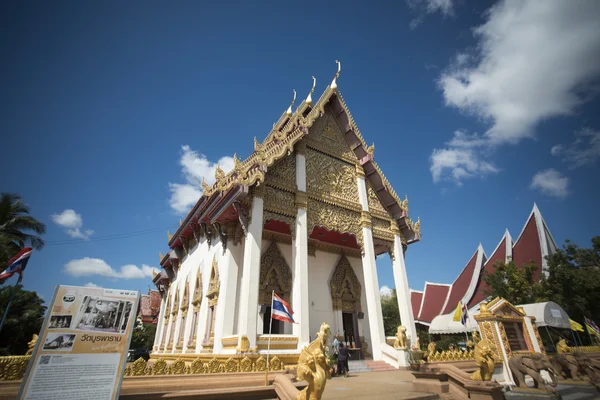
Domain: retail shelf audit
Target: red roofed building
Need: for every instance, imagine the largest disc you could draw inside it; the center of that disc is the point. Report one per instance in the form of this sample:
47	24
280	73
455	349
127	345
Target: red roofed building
150	307
533	244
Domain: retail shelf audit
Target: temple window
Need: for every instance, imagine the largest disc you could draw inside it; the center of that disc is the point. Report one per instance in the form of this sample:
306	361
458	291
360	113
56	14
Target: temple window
275	275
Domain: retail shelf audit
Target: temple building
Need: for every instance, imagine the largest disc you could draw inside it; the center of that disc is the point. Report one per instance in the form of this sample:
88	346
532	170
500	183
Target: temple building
305	216
149	307
439	299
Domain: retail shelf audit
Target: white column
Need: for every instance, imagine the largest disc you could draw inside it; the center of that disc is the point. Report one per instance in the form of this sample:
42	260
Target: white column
372	293
247	322
370	270
228	271
300	244
161	322
402	290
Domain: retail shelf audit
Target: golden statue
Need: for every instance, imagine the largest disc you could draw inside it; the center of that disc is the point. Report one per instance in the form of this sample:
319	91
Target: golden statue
484	358
313	366
476	337
431	348
561	346
31	345
400	342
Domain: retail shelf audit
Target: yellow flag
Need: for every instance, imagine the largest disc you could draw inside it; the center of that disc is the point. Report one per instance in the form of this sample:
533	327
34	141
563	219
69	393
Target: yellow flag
576	326
457	313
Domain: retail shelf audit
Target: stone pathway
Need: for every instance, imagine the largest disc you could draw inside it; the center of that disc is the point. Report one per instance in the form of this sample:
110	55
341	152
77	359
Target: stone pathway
383	385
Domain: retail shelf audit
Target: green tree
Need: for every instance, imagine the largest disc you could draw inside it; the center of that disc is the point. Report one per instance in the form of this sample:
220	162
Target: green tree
24	319
517	285
391	314
15	227
143	336
573	280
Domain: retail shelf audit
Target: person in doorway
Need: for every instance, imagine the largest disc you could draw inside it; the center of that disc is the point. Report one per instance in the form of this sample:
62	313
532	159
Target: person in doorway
342	364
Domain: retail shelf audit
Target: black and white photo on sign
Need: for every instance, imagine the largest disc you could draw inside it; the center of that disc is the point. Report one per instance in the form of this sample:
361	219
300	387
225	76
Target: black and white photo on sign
60	321
59	341
103	314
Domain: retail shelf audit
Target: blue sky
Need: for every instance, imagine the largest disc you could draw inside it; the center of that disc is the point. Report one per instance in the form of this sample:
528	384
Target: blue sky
110	112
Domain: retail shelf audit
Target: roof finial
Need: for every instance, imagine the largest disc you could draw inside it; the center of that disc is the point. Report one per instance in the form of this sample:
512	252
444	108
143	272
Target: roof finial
289	110
169	235
160	255
333	82
309	98
205	187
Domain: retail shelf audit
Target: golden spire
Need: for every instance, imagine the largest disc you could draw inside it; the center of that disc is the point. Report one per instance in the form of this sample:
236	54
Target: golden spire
404	204
153	274
219	173
180	222
371	150
205	187
417	226
160	255
257	145
309	97
169	235
289	110
237	164
333	82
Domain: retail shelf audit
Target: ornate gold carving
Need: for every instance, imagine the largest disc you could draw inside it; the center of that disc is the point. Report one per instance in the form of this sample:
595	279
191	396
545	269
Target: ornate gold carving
484	358
282	174
197	366
12	368
314	245
214	284
231	365
197	299
360	172
400	342
31	344
326	136
138	367
213	365
365	219
178	367
404	204
382	229
334	218
450	355
301	199
275	274
186	297
159	367
280	202
275	364
176	305
301	147
244	346
258	191
375	206
278	237
371	150
345	287
331	179
246	365
260	364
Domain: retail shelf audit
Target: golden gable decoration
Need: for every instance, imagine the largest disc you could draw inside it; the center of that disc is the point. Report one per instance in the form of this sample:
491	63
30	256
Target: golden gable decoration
213	284
275	274
282	175
345	287
197	299
335	218
326	136
186	296
331	180
176	304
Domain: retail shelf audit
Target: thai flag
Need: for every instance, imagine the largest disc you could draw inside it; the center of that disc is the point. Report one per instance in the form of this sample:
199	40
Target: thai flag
16	265
465	314
281	310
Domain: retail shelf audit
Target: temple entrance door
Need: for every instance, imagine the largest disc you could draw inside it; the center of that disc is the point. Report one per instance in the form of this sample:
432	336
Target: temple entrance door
348	324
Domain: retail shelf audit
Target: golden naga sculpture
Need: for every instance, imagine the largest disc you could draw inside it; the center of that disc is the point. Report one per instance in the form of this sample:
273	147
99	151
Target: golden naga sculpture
476	337
484	358
431	348
561	347
400	342
313	366
31	345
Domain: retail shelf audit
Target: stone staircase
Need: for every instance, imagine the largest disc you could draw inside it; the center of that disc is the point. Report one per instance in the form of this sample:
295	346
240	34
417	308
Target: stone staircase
358	366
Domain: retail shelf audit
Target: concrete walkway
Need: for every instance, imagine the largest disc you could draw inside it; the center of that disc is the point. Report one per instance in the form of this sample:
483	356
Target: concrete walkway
381	385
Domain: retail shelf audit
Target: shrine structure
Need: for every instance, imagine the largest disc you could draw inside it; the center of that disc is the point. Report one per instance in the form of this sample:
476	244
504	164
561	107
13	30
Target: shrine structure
438	299
304	215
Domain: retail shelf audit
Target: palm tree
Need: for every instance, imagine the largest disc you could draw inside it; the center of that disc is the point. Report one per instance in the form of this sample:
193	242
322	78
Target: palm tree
15	222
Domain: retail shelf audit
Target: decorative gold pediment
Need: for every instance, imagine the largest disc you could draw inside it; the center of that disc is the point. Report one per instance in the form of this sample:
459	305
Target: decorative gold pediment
185	302
331	179
197	299
282	174
345	287
176	304
334	218
325	135
213	283
275	274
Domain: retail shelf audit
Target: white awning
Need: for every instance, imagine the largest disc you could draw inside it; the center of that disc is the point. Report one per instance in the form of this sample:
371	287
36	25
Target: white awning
548	314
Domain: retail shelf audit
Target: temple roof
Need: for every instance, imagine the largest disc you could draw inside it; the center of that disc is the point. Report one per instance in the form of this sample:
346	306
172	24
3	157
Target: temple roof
533	244
286	132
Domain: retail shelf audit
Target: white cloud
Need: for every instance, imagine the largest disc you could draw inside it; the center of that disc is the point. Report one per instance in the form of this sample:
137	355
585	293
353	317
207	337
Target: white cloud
551	183
445	7
91	284
460	160
584	151
534	60
385	291
72	222
94	266
194	166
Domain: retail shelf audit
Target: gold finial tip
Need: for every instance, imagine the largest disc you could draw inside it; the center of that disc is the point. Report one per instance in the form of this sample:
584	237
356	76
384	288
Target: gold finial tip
309	97
333	82
289	110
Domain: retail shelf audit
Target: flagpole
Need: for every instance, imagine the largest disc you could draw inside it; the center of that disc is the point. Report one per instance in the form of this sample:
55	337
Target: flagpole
587	328
269	343
12	295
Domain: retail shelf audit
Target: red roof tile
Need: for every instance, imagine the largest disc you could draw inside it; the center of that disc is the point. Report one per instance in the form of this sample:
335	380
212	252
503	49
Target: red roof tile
528	248
461	284
415	300
498	255
434	298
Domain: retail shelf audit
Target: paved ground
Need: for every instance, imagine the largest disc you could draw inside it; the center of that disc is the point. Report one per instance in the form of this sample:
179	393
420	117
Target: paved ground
374	385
